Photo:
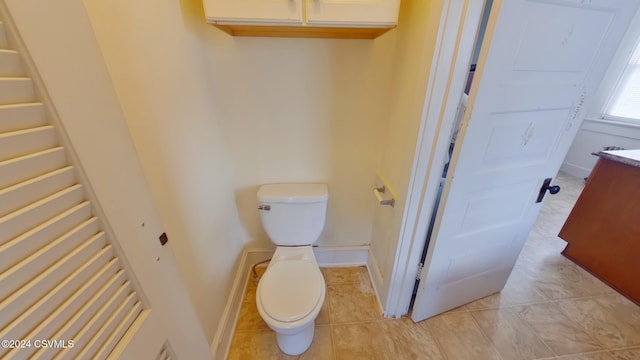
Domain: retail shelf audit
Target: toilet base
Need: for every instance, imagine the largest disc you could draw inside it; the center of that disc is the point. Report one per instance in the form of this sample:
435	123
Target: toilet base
297	343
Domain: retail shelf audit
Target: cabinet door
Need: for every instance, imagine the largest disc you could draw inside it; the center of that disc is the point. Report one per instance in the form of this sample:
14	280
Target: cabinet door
254	11
366	13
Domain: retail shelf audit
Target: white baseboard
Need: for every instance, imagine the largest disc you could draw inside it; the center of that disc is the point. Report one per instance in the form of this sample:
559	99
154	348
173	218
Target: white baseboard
376	278
575	170
326	256
341	256
224	335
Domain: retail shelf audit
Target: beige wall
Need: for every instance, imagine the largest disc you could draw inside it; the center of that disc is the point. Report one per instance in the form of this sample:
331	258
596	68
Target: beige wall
303	110
213	116
416	37
160	75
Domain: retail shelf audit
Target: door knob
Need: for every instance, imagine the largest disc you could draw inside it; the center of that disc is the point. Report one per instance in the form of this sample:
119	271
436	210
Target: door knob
546	185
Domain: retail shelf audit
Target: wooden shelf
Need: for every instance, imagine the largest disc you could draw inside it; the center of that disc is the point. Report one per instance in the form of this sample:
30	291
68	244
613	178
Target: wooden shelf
303	31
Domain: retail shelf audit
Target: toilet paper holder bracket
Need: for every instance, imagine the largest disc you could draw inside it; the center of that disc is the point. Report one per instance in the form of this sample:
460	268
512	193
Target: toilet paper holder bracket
378	191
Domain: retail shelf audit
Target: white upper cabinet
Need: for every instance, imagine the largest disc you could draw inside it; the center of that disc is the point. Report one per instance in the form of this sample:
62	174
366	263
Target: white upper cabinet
303	18
372	13
254	12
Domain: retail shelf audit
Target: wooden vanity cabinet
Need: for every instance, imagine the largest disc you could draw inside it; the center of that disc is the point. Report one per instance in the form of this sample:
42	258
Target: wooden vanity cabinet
603	229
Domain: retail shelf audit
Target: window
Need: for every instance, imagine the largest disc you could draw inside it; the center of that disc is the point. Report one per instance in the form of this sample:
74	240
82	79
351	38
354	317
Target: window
624	103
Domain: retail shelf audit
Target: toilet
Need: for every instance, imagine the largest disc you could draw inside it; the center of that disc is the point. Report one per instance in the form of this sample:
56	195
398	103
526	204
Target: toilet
291	292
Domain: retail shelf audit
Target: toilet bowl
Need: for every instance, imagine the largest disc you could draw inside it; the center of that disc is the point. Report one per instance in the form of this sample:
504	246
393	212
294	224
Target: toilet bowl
290	296
291	292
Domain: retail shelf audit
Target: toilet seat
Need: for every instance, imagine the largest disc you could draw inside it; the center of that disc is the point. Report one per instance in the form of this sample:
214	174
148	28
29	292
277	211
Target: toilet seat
291	289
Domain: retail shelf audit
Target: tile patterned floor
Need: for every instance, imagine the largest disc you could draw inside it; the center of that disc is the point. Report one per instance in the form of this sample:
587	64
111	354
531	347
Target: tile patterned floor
549	309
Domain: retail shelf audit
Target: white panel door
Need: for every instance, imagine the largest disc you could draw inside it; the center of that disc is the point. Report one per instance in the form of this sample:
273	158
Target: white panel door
382	13
286	12
541	63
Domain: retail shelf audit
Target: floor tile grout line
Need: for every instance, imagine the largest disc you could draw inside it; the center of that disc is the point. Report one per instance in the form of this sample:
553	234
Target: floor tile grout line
567	298
435	340
327	302
332	323
570	356
489	339
589	297
549	301
585	329
357	322
633	347
333	344
527	324
610	352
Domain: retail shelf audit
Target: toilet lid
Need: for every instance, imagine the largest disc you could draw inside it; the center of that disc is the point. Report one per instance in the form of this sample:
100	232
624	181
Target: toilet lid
290	290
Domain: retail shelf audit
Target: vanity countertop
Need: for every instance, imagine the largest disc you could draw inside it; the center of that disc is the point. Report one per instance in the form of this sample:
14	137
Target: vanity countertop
627	157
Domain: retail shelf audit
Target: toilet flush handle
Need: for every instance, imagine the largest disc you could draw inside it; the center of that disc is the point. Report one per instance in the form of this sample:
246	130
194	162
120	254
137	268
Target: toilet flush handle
264	207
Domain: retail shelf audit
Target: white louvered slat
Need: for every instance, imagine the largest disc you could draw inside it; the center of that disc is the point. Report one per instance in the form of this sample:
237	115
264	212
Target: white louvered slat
22	194
39	311
59	274
27	243
19	221
99	342
22	116
91	328
121	328
21	300
10	63
83	315
22	142
164	353
108	275
27	269
26	167
16	90
168	352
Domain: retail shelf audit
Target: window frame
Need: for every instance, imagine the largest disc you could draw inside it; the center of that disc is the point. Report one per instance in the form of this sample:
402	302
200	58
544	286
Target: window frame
631	64
615	77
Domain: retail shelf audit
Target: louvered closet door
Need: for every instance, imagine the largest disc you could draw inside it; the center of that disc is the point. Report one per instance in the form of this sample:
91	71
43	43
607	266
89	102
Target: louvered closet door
60	278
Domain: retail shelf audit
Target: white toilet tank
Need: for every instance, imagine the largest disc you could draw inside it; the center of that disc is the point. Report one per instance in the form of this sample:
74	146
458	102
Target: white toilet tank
293	214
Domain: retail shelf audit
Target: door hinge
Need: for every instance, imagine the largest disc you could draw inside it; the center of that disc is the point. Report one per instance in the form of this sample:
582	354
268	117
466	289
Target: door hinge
420	266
